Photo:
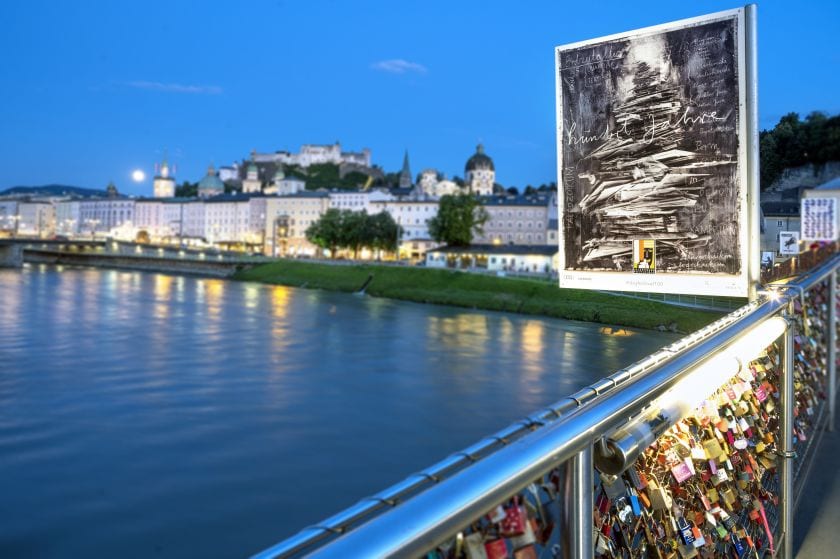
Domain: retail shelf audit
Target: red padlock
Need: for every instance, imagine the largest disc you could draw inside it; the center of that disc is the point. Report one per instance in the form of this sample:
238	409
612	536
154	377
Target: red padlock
513	524
496	549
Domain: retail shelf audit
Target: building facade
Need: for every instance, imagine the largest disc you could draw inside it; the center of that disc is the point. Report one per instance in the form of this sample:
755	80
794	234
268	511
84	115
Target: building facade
288	217
163	185
480	173
313	154
516	220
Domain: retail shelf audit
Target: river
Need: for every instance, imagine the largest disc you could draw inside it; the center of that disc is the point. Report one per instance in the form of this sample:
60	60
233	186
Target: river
147	415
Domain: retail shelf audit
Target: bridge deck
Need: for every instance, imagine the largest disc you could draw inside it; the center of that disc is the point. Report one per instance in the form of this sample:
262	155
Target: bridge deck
817	520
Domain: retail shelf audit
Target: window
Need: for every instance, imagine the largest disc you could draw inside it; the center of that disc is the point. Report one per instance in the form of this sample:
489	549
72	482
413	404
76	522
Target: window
780	223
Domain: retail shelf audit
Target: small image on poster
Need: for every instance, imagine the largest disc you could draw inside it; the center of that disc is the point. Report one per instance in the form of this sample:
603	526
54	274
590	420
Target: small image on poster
789	243
644	256
768	258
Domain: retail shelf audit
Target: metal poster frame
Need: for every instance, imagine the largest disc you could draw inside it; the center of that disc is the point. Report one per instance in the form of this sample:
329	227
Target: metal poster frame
740	284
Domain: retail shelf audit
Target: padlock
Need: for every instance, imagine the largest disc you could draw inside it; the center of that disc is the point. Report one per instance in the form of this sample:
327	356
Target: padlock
515	520
474	546
659	498
712	448
496	549
527	537
527	552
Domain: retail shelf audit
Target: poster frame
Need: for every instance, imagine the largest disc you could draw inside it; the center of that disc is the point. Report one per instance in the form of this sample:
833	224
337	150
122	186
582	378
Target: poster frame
742	284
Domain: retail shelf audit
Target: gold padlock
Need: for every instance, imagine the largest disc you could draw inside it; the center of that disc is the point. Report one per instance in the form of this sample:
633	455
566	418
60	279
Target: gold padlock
712	448
712	494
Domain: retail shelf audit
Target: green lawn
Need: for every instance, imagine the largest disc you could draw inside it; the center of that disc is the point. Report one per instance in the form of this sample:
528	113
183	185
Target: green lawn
487	292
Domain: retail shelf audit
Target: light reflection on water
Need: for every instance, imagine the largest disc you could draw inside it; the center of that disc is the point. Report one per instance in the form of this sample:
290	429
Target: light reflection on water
145	414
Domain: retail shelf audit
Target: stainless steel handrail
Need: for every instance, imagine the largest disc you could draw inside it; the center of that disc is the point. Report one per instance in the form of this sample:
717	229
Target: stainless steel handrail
439	512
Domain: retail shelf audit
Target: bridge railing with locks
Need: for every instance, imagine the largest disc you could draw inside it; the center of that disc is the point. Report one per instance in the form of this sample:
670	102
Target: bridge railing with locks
699	450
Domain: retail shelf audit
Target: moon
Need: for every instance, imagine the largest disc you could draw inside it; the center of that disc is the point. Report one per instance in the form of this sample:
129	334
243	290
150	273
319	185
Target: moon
138	175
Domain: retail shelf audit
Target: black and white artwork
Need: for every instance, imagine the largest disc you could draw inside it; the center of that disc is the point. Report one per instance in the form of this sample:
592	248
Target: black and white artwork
649	129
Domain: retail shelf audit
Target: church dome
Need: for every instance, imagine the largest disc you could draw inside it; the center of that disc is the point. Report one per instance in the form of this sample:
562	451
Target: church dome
279	175
480	161
211	182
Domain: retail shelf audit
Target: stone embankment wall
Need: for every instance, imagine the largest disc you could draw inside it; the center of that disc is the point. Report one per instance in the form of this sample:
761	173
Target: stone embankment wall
144	263
11	256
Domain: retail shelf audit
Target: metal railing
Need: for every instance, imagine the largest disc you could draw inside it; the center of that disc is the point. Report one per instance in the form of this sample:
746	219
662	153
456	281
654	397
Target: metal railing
416	515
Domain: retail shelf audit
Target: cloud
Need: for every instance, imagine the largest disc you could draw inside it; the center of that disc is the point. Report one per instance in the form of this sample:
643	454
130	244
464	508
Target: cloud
399	66
176	87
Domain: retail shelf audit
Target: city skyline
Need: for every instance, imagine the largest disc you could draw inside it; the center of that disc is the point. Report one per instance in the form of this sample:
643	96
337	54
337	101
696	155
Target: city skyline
98	91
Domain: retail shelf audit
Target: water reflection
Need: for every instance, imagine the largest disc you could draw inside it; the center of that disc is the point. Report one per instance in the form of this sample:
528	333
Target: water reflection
210	415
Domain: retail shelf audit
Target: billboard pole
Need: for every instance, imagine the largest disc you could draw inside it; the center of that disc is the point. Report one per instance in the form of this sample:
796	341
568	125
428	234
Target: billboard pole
753	171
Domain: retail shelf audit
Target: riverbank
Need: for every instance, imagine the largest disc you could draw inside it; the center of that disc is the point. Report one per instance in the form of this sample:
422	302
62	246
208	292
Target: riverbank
462	289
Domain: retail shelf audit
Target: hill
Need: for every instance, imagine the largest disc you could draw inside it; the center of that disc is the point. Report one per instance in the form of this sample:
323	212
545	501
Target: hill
51	190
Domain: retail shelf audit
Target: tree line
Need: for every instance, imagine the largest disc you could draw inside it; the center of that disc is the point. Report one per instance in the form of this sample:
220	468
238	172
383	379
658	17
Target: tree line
794	142
354	230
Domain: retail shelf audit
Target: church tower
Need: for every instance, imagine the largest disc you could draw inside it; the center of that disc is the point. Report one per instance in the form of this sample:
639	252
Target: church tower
163	185
405	174
480	173
252	183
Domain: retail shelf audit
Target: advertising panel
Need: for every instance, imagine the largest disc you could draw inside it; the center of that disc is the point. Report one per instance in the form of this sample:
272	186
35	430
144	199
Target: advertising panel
789	243
819	219
652	147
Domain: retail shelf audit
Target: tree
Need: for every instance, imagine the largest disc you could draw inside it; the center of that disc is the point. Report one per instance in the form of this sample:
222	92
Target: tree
794	142
327	231
458	218
384	232
187	190
346	229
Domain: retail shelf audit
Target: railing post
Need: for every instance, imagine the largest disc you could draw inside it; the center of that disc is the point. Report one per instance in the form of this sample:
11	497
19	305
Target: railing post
786	427
577	518
831	338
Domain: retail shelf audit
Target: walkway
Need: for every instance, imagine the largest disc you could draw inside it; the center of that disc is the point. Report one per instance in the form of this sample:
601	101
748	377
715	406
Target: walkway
817	520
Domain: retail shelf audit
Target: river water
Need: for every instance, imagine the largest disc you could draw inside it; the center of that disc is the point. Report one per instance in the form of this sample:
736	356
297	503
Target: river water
153	415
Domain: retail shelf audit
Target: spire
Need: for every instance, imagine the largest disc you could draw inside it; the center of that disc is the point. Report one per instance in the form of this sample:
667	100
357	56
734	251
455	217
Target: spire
405	174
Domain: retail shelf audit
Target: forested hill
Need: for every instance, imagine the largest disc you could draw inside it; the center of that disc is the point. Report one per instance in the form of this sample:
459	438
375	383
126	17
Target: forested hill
795	142
52	190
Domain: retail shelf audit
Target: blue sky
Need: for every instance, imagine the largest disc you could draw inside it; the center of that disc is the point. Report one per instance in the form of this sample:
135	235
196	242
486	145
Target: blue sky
91	90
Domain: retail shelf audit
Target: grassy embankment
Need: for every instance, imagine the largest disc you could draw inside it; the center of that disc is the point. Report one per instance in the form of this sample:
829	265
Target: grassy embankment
486	292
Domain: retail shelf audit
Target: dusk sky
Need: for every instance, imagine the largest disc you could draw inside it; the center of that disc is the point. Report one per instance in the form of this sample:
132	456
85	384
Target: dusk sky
93	90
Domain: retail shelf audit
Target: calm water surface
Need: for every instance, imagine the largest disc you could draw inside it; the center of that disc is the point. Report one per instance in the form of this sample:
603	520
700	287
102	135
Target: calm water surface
153	415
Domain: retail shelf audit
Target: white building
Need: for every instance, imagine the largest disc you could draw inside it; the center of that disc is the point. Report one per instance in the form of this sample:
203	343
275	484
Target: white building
229	173
103	215
252	183
359	200
411	215
534	260
149	216
480	173
288	217
9	216
312	154
67	217
281	185
37	219
436	185
227	219
163	185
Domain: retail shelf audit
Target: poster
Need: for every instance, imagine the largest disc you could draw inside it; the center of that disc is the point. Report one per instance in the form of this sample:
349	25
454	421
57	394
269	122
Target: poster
819	221
652	159
768	258
789	243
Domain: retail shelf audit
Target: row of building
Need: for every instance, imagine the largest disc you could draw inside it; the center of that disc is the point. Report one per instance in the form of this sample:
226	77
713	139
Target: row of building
274	219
